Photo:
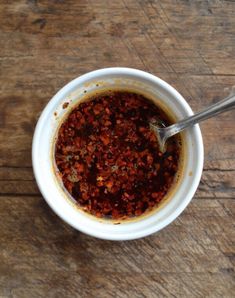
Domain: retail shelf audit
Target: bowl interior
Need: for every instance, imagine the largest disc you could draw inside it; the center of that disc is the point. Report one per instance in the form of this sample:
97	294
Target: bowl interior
115	78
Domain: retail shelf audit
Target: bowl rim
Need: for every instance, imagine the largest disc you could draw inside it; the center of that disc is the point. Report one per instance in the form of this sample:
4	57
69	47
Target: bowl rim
118	71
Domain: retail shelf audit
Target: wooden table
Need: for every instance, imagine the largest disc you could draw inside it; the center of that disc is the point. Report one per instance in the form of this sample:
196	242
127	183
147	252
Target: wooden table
45	44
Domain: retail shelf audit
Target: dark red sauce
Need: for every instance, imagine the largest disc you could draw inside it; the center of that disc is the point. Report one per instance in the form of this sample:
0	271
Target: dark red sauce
108	158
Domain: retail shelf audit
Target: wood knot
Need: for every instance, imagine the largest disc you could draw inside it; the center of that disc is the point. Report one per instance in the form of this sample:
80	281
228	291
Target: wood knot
41	22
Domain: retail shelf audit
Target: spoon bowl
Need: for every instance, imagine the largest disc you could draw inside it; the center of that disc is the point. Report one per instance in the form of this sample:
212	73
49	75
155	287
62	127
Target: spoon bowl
164	133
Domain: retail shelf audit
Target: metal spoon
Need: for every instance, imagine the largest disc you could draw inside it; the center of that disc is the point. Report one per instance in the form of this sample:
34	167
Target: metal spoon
166	132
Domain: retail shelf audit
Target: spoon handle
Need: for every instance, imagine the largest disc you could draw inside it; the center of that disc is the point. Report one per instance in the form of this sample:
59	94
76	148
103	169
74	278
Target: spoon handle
219	107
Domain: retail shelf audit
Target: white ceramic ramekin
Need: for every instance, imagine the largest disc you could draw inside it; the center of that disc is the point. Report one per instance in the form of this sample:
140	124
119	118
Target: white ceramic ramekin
73	92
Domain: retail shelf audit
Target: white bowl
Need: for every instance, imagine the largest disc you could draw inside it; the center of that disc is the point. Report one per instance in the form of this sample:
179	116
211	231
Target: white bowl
44	136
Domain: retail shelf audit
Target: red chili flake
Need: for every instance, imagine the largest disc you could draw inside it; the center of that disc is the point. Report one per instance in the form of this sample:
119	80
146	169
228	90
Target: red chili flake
105	139
79	167
109	184
109	159
155	195
107	123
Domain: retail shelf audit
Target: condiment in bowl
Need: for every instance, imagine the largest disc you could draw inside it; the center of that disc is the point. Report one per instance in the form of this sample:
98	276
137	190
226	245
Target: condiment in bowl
97	163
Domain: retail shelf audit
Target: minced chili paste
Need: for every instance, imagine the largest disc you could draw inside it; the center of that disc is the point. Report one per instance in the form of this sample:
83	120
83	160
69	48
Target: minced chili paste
108	157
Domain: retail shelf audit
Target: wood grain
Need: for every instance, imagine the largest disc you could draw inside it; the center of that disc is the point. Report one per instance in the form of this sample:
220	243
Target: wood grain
45	44
42	255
